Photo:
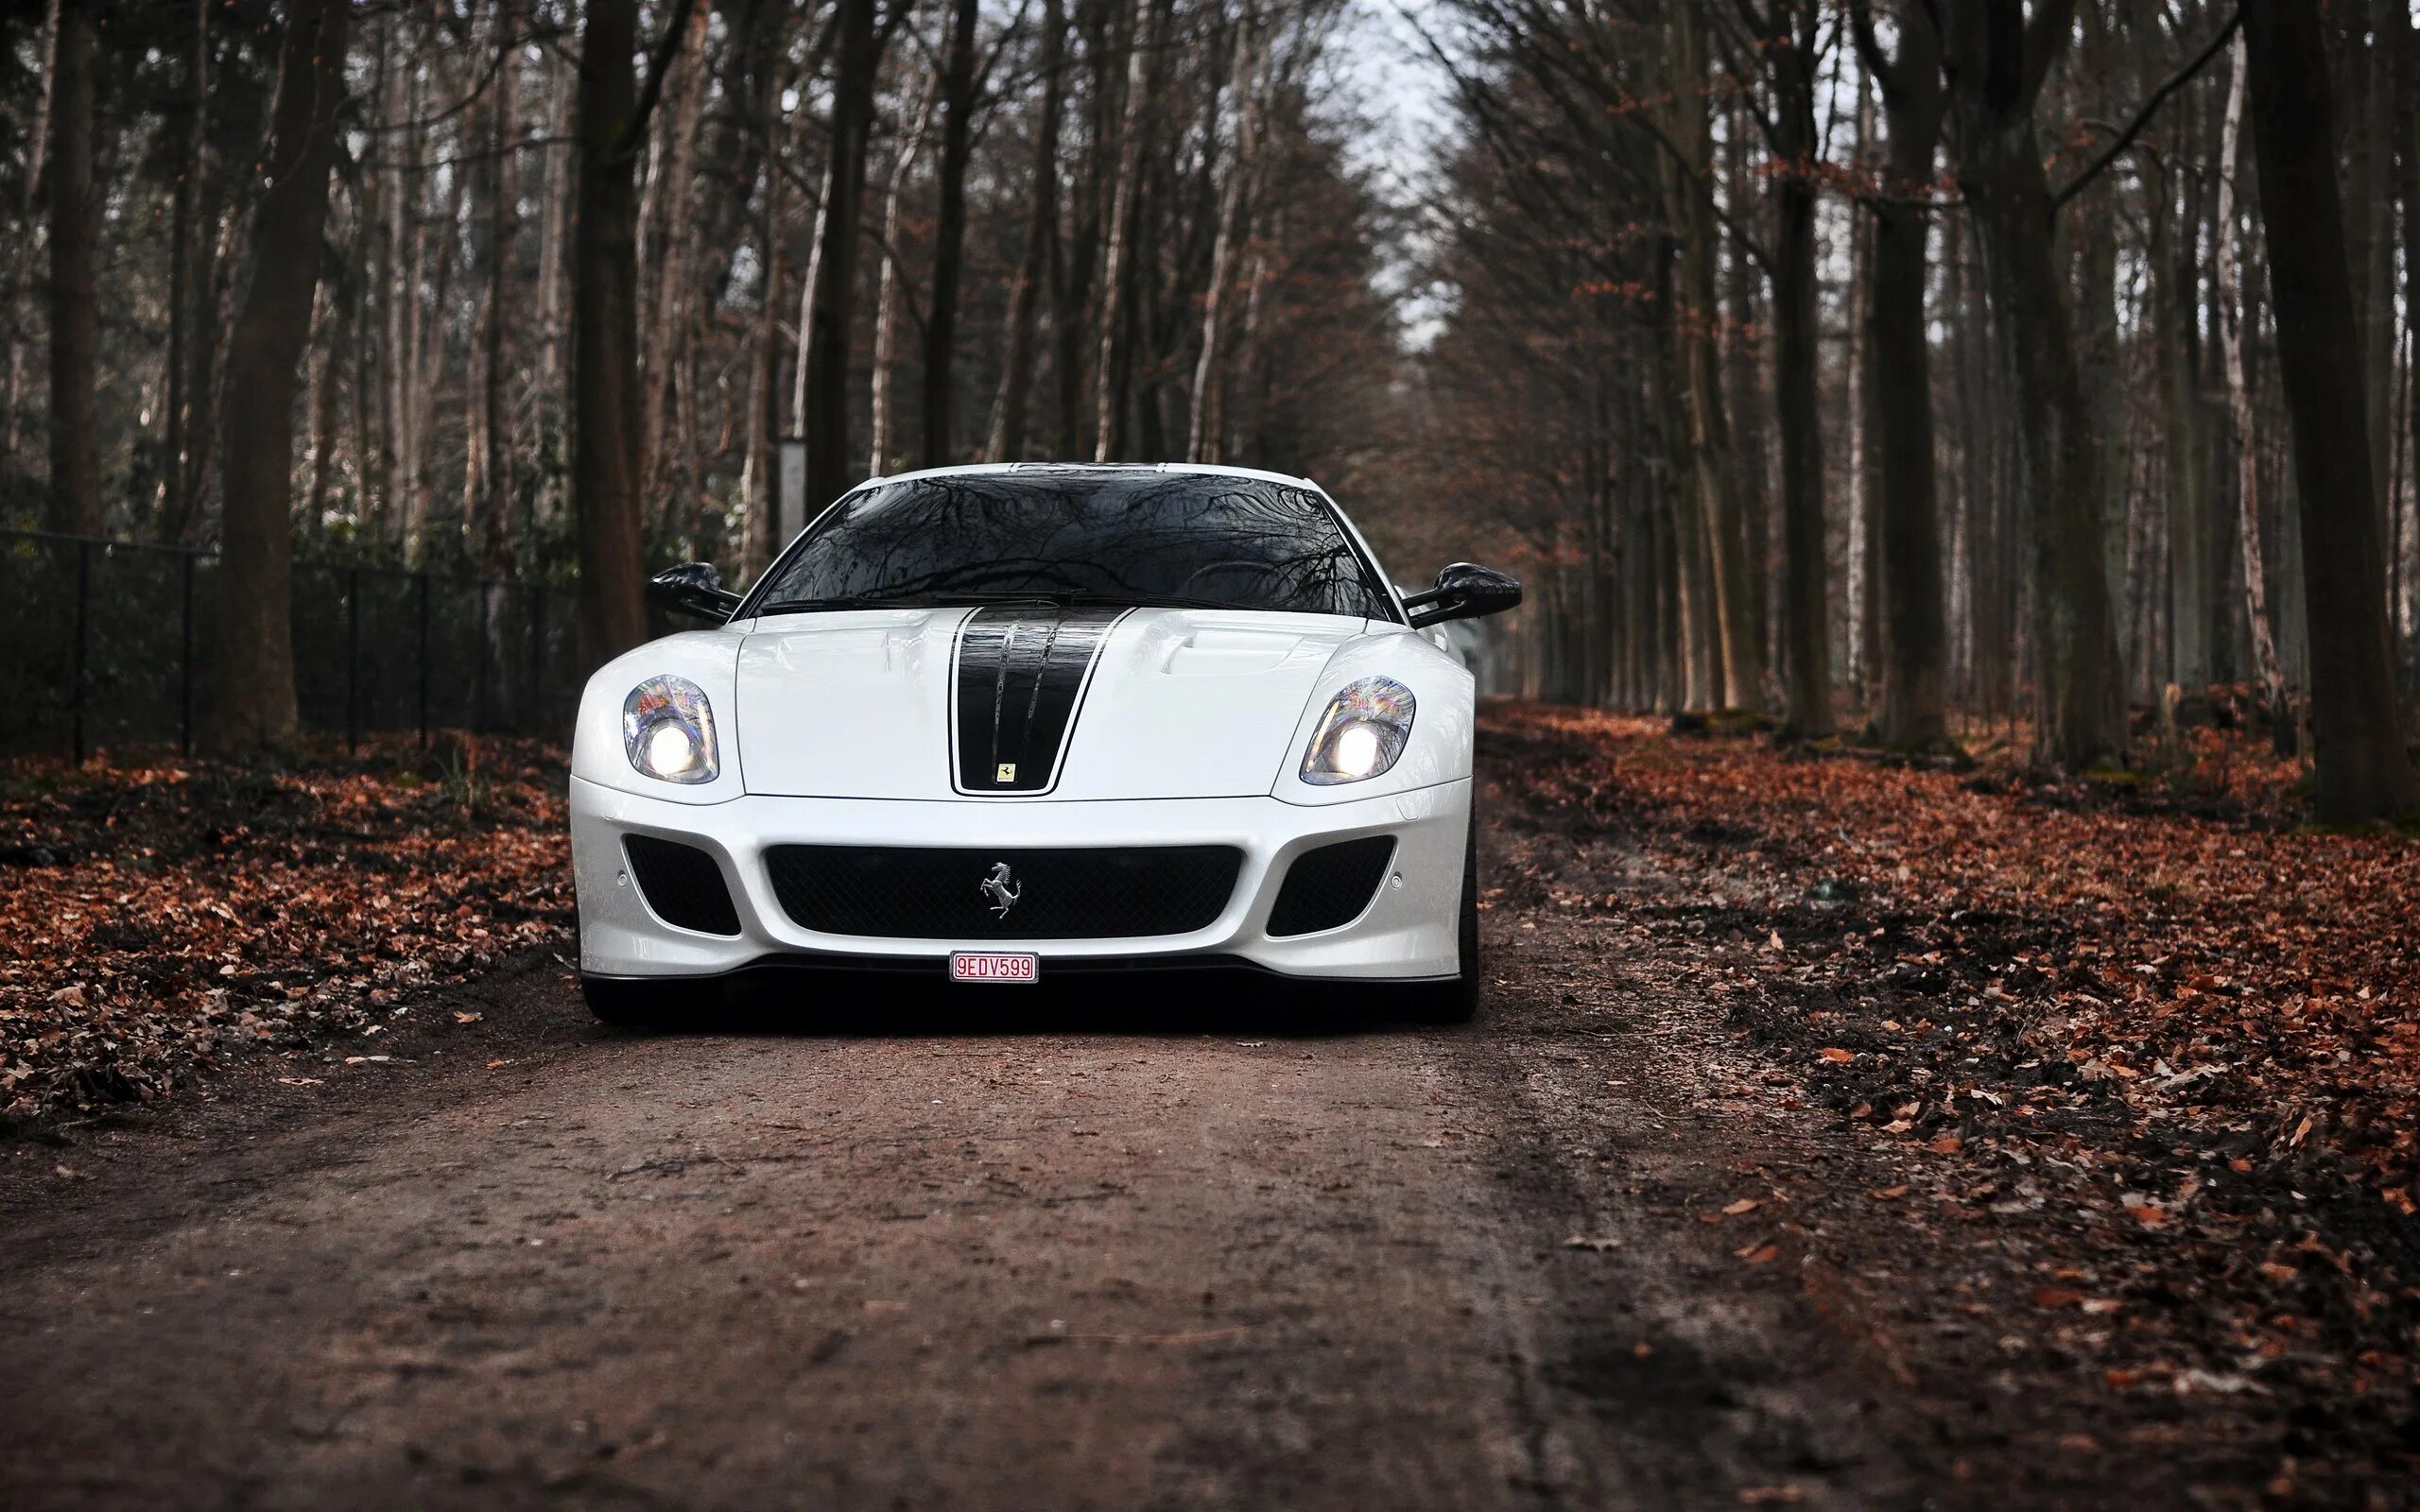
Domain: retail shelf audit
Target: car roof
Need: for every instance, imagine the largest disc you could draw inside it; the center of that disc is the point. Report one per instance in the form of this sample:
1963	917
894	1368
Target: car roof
1009	469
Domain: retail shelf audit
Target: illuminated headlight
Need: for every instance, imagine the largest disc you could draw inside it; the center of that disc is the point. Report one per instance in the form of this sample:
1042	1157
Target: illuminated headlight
1365	728
669	729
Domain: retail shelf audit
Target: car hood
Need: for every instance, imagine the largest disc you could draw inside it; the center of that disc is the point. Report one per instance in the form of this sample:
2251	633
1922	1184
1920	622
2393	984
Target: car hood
1028	702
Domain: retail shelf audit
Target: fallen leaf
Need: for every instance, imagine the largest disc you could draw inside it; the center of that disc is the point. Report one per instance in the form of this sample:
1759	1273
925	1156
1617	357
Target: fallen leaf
461	1016
1743	1205
1945	1145
1888	1194
1838	1055
1757	1254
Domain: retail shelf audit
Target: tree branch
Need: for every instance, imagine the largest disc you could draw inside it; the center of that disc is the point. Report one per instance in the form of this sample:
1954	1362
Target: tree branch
659	64
2143	117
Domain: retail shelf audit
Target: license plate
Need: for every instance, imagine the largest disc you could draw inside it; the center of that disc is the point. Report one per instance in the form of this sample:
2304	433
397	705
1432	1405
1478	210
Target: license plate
994	966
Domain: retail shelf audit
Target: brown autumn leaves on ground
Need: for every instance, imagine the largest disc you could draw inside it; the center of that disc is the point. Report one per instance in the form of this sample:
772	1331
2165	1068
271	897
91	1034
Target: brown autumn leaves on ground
160	921
2145	1048
2132	1063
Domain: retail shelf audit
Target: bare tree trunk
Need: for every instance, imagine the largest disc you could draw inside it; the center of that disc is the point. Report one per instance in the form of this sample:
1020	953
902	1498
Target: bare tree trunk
250	711
2173	269
2234	333
808	287
1112	371
1726	623
74	226
191	144
2364	771
488	512
604	295
1996	66
666	348
886	308
36	157
427	379
554	225
1040	258
1863	560
961	95
1912	712
337	320
1797	311
762	482
2406	545
832	280
1207	438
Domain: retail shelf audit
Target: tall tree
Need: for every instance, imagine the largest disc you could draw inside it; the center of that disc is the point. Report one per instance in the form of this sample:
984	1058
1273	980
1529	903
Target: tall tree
961	88
250	711
832	279
2364	770
1718	596
75	442
1206	440
487	474
1040	259
2234	327
1995	57
1785	39
1912	712
606	430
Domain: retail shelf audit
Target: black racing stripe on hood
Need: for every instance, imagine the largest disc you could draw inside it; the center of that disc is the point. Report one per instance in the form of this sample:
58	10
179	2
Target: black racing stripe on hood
1020	674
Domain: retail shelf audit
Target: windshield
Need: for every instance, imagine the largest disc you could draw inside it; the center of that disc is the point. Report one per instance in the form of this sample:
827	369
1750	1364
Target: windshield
1092	535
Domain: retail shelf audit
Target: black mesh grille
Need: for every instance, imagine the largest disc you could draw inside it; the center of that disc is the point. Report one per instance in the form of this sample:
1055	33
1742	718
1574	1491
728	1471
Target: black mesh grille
682	883
1328	887
902	892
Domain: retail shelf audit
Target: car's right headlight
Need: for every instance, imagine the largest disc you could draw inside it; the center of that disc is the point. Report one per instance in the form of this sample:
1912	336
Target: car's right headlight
1362	732
668	731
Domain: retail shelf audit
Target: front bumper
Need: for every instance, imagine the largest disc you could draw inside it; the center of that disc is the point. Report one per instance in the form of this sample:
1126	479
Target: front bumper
1407	932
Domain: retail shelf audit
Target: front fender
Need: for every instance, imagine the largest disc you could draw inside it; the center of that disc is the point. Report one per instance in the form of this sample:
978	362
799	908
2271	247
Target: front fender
706	658
1442	727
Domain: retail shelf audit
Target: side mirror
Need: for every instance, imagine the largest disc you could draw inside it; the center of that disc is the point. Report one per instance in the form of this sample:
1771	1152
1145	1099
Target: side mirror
694	589
1464	591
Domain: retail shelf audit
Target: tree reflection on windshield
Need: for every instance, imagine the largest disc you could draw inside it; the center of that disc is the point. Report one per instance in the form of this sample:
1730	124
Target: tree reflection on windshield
1122	535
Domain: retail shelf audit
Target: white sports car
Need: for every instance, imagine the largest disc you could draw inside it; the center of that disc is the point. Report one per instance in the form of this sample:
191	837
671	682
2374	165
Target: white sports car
1009	725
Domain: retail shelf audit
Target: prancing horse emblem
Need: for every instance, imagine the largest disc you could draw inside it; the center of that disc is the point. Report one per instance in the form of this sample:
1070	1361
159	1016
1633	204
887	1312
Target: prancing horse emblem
1003	891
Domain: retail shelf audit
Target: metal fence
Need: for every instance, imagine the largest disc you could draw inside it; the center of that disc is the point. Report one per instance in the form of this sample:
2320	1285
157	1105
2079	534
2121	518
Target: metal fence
105	644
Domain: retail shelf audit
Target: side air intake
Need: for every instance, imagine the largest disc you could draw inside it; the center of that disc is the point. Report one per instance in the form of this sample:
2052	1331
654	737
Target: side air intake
682	883
1331	886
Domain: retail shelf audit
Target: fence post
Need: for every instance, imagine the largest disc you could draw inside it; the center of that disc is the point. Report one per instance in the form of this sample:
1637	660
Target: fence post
422	579
185	707
83	623
353	662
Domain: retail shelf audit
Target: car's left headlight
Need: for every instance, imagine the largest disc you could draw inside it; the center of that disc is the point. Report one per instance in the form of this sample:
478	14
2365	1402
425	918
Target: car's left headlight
668	731
1362	732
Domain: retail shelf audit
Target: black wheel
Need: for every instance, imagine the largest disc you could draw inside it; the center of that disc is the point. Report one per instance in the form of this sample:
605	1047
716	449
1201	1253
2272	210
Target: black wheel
1456	999
636	1002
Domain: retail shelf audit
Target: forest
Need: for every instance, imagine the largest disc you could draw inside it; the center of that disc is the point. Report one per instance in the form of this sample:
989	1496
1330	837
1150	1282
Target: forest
1884	369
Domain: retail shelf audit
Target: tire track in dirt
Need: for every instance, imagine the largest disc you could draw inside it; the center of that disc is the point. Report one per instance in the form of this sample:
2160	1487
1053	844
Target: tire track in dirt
1244	1260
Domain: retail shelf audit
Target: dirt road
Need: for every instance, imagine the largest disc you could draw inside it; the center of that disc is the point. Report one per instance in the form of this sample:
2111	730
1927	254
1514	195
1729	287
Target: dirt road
1150	1255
